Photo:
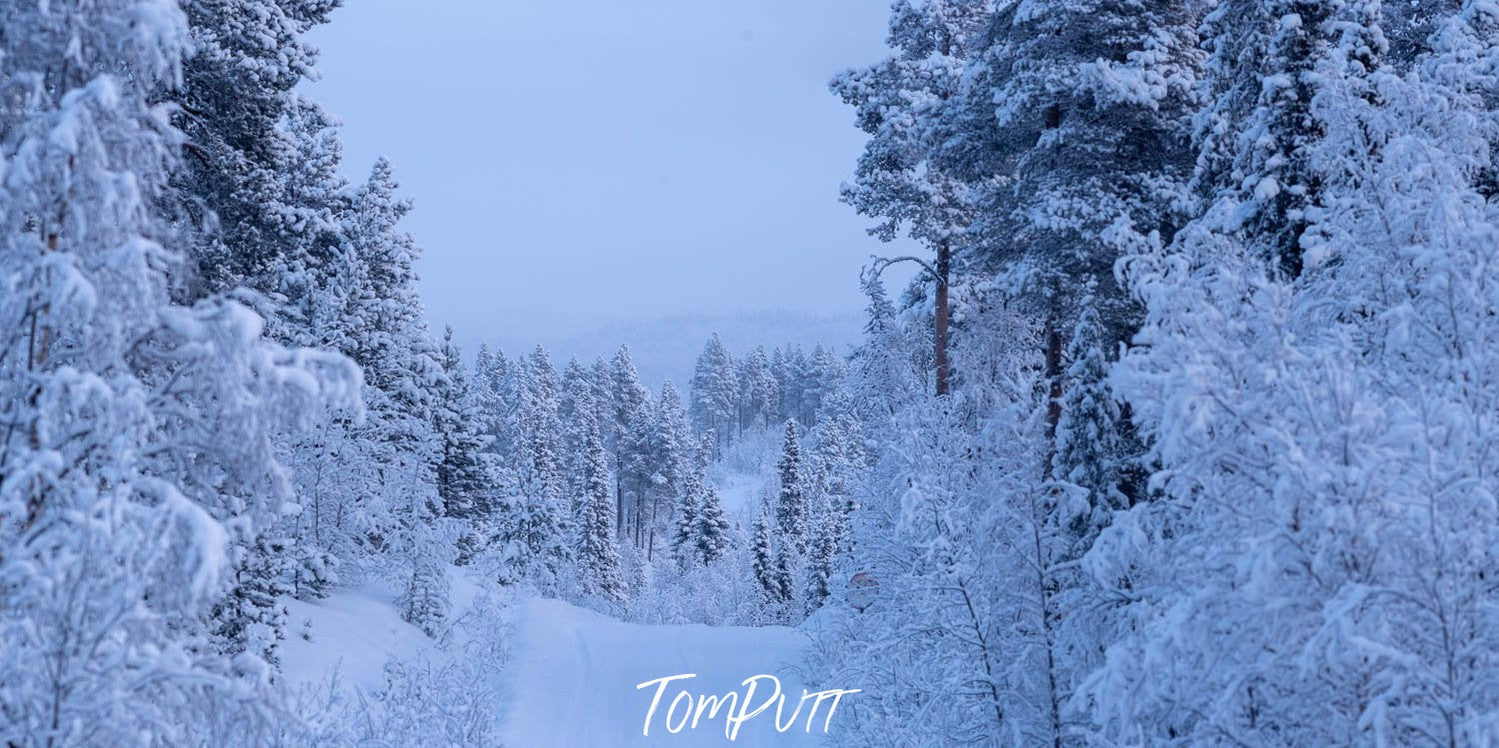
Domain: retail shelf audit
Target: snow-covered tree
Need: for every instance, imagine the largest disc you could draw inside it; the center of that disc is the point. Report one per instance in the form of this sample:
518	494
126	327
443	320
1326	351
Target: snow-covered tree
791	497
424	601
1093	447
578	411
684	523
898	102
774	586
1316	430
1072	126
139	444
598	547
253	189
533	522
714	392
668	461
713	528
759	394
462	481
630	429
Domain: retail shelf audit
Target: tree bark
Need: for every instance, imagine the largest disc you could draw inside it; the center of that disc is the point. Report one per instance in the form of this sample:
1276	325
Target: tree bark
1053	387
942	313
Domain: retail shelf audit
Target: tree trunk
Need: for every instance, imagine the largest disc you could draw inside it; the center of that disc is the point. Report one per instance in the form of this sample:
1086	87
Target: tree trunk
1053	387
944	267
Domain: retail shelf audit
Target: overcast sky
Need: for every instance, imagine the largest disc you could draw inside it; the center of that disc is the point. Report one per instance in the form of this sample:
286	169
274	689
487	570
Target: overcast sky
575	163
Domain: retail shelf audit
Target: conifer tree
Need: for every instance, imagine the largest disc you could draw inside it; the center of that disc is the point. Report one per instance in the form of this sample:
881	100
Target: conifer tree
791	500
237	190
1093	450
684	526
424	602
714	391
668	458
598	550
250	618
578	412
496	398
630	424
759	394
534	529
462	482
712	527
764	564
897	180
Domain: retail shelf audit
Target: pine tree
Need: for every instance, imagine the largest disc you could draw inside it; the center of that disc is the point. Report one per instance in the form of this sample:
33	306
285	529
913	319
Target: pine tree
462	482
766	570
630	425
897	180
598	549
713	391
535	529
712	528
759	393
237	189
667	459
578	411
1074	124
684	527
791	501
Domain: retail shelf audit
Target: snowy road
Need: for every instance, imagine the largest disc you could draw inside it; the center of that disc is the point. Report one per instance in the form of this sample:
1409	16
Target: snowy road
575	676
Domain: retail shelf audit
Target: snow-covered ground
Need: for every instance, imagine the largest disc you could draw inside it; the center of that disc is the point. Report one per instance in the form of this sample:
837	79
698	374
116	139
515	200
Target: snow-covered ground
576	672
572	675
740	491
353	633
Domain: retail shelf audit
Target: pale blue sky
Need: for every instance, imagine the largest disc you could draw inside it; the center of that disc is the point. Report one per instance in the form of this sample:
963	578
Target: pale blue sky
576	163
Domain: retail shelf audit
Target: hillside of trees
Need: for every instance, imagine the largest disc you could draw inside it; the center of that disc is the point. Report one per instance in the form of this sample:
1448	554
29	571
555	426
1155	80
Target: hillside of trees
1180	435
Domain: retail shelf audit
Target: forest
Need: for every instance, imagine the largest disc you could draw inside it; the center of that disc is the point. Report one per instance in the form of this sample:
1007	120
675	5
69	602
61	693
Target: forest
1177	435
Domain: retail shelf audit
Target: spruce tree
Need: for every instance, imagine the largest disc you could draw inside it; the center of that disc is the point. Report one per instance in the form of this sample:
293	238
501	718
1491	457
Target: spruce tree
668	459
712	528
791	500
534	526
714	390
630	425
1093	449
578	412
462	481
684	526
764	564
250	618
759	394
598	549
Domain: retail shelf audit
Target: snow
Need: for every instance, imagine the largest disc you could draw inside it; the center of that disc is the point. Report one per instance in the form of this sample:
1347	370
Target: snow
740	490
353	633
576	673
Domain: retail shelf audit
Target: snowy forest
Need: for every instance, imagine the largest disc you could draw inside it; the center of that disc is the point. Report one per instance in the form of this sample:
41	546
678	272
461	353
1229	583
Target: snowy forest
1174	431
